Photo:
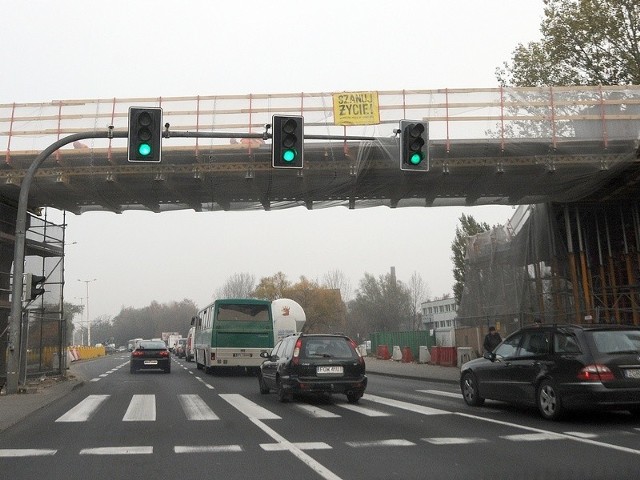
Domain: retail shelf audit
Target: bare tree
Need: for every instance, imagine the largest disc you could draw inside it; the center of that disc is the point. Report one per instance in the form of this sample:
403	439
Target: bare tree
336	279
418	292
238	285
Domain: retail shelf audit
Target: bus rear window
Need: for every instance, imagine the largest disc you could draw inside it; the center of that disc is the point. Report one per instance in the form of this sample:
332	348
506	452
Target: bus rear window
248	313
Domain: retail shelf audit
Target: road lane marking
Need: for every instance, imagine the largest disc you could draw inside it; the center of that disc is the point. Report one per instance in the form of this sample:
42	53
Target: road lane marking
588	441
441	393
316	466
207	448
454	440
210	387
393	442
117	451
316	412
84	410
249	408
26	452
534	437
369	412
278	447
412	407
142	408
195	408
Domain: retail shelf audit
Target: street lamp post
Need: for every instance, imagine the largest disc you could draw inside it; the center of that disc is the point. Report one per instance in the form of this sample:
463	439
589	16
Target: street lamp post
86	282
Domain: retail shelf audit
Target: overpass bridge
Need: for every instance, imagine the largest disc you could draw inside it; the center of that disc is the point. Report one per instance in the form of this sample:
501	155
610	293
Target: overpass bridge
571	154
487	146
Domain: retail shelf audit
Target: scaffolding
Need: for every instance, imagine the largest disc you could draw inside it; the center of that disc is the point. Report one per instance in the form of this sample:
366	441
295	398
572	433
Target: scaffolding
560	263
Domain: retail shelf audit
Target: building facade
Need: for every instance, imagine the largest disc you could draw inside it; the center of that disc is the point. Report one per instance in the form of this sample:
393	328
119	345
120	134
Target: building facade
439	318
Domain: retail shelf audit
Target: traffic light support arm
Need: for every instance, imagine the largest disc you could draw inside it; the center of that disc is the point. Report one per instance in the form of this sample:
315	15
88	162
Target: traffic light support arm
13	357
13	327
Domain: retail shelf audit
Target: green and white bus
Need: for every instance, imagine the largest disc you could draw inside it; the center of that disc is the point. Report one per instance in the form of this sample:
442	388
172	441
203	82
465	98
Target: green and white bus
232	333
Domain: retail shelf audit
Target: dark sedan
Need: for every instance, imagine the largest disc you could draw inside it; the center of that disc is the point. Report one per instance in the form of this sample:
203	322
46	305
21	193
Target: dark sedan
558	368
150	355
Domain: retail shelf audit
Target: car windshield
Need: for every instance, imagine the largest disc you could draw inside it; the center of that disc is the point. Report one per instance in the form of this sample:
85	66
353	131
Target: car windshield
618	341
328	348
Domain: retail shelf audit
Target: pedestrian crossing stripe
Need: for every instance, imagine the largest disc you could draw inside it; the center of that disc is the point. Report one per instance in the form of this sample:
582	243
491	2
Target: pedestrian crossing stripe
196	409
84	410
142	408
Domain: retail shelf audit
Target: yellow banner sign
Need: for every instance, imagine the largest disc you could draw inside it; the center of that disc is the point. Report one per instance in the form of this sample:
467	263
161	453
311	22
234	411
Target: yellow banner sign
356	108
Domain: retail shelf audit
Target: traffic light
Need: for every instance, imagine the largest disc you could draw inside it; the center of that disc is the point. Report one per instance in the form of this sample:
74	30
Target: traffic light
288	141
33	287
145	134
414	151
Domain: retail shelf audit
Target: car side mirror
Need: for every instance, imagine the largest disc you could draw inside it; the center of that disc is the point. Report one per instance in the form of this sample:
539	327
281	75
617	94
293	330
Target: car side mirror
490	356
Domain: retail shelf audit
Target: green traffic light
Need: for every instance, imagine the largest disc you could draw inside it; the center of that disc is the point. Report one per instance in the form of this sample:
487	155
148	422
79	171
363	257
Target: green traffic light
289	155
144	149
416	158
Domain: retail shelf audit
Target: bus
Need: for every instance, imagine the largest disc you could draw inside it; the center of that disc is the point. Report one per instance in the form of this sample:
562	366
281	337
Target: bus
231	333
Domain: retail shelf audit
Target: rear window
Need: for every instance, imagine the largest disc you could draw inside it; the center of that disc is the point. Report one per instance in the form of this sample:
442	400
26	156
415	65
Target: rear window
328	348
618	341
152	345
243	312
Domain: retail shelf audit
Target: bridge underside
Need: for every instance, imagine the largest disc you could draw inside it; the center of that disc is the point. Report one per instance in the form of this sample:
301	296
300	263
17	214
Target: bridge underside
351	174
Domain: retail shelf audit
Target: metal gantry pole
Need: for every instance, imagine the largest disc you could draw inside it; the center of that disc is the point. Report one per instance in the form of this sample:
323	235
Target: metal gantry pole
15	318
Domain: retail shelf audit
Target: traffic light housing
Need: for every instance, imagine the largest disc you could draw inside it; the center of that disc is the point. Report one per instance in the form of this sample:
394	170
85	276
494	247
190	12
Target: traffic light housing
33	287
414	148
145	134
287	147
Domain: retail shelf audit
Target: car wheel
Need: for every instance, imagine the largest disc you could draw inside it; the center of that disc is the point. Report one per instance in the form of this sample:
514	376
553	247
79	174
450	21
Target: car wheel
469	386
283	396
264	389
548	401
353	397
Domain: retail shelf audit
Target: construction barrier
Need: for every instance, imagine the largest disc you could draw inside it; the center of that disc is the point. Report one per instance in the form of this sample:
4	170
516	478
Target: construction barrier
397	354
84	353
382	352
407	355
445	356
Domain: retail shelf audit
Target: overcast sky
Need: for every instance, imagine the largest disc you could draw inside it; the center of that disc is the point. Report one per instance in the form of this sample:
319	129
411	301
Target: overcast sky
58	50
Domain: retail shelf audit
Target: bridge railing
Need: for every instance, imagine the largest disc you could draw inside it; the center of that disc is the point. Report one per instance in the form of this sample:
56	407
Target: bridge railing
555	114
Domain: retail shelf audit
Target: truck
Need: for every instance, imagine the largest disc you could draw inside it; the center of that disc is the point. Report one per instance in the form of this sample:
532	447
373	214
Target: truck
288	318
171	338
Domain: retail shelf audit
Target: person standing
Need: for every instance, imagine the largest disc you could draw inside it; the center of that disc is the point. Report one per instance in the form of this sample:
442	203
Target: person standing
491	340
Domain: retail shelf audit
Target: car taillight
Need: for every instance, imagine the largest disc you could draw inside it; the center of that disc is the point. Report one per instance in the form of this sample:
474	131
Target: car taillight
355	347
164	353
596	373
296	352
137	353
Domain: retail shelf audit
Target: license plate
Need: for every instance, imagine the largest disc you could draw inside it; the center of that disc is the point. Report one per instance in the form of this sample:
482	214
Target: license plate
150	362
632	373
330	370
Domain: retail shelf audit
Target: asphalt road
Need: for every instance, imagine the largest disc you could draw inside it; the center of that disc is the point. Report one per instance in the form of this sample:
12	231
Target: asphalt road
188	424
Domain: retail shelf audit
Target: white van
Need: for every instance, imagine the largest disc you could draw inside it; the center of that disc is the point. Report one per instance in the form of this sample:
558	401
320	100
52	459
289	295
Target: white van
190	347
